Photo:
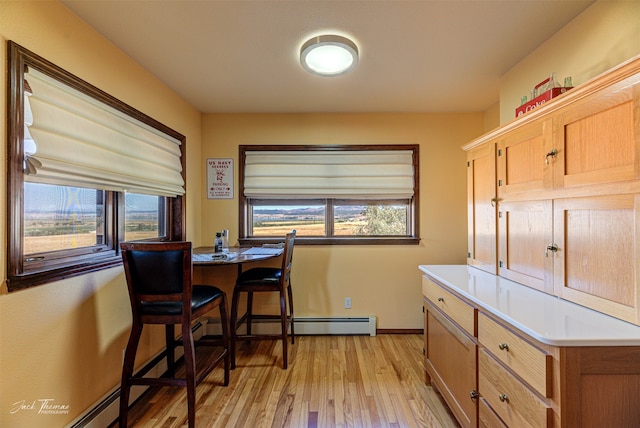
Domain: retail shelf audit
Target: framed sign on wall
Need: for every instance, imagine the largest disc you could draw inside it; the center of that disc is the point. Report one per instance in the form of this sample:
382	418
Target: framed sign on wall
219	178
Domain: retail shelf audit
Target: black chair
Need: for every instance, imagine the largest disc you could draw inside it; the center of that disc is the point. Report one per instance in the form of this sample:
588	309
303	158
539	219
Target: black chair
265	279
159	276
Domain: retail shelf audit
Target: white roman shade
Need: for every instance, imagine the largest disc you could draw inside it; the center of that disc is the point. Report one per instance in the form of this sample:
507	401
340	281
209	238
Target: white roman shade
82	142
357	174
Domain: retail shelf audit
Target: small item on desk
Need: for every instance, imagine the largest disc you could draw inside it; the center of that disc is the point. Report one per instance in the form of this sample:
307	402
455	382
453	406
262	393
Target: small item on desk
224	256
225	240
217	243
278	245
209	257
275	251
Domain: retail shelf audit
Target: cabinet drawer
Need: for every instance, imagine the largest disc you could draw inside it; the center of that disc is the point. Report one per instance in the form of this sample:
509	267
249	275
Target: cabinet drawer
512	400
529	362
460	312
487	418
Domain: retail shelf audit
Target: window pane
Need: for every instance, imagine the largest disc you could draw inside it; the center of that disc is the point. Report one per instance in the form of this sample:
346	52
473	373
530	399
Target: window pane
370	220
61	217
278	220
144	217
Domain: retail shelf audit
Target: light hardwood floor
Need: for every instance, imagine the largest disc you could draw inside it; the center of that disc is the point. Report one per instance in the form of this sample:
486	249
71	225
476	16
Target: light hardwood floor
332	381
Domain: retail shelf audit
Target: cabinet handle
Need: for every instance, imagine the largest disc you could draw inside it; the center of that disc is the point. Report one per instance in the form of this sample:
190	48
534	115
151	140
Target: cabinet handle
493	202
553	153
504	398
503	346
440	299
552	248
474	394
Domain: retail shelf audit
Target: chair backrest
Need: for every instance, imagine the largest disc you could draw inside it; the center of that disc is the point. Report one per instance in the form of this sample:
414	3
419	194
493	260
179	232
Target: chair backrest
157	271
287	258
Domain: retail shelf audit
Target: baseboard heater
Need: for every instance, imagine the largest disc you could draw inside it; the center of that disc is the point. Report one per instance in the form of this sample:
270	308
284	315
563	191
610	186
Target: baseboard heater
308	326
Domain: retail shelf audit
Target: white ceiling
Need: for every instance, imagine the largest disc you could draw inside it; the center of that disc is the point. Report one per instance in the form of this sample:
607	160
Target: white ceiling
415	55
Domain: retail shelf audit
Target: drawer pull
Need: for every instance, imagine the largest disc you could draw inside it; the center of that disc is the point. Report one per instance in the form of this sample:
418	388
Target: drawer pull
474	394
440	299
503	346
504	398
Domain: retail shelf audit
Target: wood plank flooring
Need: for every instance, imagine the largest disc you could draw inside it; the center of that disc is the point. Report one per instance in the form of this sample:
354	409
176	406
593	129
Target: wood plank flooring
332	381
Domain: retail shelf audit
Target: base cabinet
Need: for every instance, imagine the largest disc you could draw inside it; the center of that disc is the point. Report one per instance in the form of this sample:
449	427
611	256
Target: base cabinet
493	374
451	365
451	350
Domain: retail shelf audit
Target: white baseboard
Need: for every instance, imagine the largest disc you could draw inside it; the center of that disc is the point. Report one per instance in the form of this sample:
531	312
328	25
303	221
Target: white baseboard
311	326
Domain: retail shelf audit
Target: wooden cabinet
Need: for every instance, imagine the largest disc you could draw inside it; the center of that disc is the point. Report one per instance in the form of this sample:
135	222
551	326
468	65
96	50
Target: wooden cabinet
522	162
487	418
566	191
596	137
481	208
596	263
525	383
512	400
526	230
521	381
451	352
530	363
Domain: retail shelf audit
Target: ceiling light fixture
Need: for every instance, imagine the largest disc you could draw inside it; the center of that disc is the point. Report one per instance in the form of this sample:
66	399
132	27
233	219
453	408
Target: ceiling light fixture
329	55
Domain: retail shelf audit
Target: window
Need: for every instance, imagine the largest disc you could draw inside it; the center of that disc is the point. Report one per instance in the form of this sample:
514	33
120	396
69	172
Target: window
144	217
329	194
85	172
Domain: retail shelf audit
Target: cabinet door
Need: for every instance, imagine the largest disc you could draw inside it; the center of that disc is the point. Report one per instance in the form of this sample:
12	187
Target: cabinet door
481	208
596	138
597	258
522	164
526	229
451	362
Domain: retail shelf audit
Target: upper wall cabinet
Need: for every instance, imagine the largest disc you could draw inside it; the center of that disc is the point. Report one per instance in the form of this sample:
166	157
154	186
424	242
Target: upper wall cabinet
566	195
596	138
523	164
588	139
481	207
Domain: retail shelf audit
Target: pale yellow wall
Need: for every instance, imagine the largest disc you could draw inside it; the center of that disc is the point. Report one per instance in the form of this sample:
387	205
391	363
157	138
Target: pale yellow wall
492	117
64	341
381	280
603	36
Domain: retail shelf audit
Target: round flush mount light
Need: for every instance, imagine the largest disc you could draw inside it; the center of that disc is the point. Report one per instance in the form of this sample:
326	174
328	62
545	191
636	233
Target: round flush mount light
329	55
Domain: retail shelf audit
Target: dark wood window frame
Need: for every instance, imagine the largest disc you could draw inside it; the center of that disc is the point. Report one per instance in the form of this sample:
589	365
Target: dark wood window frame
67	263
244	208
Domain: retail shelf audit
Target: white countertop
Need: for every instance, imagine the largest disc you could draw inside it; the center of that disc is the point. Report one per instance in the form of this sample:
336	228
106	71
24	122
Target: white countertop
545	318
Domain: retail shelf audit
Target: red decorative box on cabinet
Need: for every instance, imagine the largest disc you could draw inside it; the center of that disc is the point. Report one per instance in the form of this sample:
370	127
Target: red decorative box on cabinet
539	100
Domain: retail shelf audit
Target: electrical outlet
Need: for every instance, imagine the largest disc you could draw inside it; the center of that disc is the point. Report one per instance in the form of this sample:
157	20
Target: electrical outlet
347	302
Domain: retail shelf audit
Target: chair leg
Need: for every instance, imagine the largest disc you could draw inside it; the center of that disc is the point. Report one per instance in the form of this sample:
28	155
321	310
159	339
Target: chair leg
127	372
291	321
233	327
170	339
249	311
225	338
190	372
283	328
